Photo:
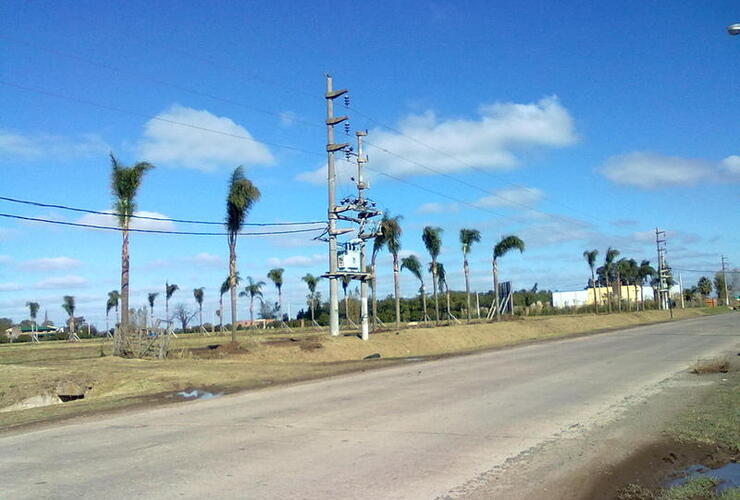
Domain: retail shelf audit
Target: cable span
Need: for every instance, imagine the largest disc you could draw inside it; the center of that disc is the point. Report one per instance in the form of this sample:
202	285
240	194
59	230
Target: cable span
165	219
155	231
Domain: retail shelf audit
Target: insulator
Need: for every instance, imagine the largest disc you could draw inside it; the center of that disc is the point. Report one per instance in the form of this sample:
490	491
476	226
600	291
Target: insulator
346	101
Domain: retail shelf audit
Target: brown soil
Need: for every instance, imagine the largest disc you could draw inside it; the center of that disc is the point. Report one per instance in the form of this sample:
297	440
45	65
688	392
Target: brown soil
652	466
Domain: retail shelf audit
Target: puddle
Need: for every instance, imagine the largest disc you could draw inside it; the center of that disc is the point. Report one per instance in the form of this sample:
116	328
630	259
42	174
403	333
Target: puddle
727	476
199	394
409	360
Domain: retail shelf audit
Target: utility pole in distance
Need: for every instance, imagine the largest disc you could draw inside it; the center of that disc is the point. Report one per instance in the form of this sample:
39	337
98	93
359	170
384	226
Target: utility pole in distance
724	279
331	148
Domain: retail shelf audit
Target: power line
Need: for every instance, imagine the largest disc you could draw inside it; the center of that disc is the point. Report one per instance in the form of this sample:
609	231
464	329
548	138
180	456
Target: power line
699	271
155	117
467	165
158	81
154	231
184	221
304	122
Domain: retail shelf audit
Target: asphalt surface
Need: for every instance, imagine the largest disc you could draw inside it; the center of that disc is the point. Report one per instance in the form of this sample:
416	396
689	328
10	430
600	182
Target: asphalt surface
421	430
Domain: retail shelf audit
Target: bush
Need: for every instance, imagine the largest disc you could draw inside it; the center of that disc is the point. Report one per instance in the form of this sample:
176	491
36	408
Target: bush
4	339
23	338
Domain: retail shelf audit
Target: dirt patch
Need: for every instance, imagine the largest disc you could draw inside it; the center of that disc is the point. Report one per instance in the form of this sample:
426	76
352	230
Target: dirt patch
653	466
217	351
715	365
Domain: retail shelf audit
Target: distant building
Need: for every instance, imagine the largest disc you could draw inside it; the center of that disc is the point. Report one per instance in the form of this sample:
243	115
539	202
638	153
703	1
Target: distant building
575	298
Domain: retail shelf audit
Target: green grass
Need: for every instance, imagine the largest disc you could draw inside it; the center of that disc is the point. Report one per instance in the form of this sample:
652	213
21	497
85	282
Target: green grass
716	421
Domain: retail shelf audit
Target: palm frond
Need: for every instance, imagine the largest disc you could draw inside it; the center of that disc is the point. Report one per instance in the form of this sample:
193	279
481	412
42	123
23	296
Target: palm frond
413	265
311	281
590	256
276	276
507	244
152	297
242	196
198	294
432	238
69	304
467	238
170	289
125	183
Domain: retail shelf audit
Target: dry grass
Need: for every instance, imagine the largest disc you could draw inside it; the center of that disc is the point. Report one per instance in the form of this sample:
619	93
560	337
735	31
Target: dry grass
262	359
715	365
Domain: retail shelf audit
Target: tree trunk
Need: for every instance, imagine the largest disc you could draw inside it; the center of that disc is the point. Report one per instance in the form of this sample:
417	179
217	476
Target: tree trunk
608	292
373	299
232	288
346	306
221	314
495	289
397	290
642	298
251	309
424	301
619	293
106	323
280	303
434	288
312	308
124	277
449	313
593	284
467	283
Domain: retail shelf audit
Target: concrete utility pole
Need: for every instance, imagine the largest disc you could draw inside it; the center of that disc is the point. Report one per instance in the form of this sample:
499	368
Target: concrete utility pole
663	291
361	186
331	148
680	285
724	278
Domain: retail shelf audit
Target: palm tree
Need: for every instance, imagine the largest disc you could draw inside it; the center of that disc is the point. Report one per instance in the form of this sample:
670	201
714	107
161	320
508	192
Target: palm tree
622	270
276	276
311	282
414	266
506	244
113	298
346	280
590	256
467	238
33	308
644	272
69	306
108	306
169	290
125	182
252	290
151	298
392	231
240	199
224	288
609	267
198	295
442	278
433	242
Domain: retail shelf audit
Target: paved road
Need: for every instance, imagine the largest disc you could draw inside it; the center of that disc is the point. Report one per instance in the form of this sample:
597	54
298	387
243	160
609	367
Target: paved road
416	431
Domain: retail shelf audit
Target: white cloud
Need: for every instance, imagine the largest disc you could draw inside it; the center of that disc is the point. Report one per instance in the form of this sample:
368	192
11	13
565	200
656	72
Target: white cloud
10	287
42	146
189	147
731	165
437	208
112	220
66	282
491	141
299	260
650	170
207	260
511	197
5	259
49	264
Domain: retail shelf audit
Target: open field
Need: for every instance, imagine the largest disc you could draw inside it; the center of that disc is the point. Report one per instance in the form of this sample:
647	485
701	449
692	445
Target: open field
263	359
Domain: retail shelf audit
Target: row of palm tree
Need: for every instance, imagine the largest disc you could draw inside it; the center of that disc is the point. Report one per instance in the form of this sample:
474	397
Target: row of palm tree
618	272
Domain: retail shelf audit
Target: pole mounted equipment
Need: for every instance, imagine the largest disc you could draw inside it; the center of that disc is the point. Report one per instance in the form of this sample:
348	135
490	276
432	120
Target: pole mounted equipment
734	29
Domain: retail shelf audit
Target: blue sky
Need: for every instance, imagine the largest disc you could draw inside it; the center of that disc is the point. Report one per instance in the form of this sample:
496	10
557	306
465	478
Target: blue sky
575	125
